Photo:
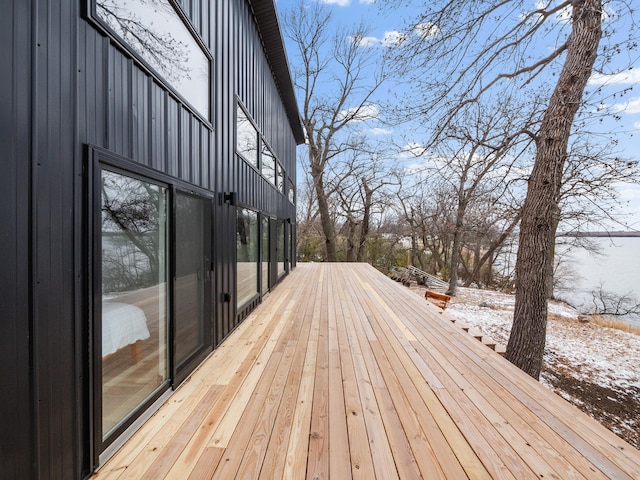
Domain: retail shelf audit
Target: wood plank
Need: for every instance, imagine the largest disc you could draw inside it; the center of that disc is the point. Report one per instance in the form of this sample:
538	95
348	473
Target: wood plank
343	373
318	454
256	449
368	376
166	451
208	427
360	454
207	464
424	380
256	446
274	462
296	456
339	460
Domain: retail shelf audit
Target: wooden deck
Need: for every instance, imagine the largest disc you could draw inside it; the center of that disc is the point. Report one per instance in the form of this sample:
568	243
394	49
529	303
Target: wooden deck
342	373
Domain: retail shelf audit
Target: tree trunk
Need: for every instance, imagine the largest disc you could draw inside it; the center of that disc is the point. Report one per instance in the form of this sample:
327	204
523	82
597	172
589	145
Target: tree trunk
475	275
328	229
455	251
551	265
364	226
352	244
540	211
453	266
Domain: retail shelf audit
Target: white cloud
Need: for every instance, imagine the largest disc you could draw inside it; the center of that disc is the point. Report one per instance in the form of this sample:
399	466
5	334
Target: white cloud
381	131
368	2
564	15
427	30
632	106
340	3
627	77
636	125
412	150
360	114
393	38
390	39
364	42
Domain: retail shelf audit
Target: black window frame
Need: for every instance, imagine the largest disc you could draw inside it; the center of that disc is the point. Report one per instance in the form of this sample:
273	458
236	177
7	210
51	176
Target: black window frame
93	17
258	164
99	159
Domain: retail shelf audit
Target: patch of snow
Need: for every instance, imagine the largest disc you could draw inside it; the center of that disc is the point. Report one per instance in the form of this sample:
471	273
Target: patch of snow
601	355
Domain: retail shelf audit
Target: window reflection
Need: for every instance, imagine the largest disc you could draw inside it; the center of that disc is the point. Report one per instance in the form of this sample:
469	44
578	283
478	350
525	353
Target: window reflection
292	192
247	246
280	248
280	181
134	295
266	256
246	138
153	30
268	165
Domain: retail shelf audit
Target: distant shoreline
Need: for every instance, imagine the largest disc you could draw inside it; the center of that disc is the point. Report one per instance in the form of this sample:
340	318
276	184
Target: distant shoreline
601	234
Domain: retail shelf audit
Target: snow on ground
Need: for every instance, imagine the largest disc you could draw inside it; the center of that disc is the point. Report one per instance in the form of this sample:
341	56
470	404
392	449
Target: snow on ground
606	356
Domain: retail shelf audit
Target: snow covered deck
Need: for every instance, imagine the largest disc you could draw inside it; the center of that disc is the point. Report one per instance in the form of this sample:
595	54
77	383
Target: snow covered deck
342	373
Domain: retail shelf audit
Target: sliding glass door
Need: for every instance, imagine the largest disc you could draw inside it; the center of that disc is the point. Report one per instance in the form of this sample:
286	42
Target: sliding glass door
152	246
192	286
133	327
265	257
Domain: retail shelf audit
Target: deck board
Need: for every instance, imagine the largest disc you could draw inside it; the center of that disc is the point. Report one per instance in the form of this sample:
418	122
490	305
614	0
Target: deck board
342	373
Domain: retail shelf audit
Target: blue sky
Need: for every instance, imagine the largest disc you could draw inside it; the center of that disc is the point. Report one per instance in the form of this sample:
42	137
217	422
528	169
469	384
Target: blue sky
386	25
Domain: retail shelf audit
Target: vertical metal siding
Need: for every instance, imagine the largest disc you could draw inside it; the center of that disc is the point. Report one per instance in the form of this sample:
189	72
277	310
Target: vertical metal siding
140	116
16	441
161	129
65	85
172	135
91	87
53	237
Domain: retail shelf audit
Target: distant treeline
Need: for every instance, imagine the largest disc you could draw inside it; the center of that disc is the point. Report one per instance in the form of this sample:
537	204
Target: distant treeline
601	234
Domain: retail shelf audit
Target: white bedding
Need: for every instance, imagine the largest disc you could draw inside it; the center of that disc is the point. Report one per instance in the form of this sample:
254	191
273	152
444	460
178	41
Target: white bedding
122	325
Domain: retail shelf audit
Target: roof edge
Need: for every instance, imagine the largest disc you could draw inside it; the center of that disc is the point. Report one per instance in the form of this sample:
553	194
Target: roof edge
266	17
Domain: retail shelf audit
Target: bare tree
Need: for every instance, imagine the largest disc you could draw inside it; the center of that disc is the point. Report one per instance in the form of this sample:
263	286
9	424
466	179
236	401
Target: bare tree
609	303
362	190
337	79
162	50
490	45
478	156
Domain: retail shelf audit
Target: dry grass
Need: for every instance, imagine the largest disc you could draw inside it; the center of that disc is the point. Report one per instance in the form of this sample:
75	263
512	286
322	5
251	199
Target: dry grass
603	321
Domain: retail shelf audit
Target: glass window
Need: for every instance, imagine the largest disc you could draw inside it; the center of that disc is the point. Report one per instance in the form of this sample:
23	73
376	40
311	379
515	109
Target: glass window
192	277
280	183
246	138
280	247
247	245
268	165
266	257
154	31
134	295
292	192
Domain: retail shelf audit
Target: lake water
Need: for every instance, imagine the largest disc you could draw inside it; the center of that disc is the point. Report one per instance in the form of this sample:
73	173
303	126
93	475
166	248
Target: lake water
617	270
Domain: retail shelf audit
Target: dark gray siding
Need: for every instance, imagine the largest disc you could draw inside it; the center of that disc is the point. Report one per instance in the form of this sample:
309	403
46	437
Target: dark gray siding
252	81
55	238
16	439
65	85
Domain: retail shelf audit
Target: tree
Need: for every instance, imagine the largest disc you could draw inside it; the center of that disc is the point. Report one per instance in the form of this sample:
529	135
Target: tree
168	55
541	212
362	184
487	46
337	79
478	154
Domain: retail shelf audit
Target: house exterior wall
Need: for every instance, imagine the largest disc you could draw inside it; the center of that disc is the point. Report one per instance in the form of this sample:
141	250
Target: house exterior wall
67	88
